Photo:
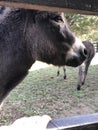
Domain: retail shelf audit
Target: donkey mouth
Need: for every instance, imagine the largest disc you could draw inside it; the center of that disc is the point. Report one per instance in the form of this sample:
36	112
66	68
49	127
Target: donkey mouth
74	62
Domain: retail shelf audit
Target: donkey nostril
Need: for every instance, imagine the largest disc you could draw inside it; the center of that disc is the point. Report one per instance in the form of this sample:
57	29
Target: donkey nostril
85	51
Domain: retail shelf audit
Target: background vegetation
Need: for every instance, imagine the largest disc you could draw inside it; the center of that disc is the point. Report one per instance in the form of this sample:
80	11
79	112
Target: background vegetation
84	26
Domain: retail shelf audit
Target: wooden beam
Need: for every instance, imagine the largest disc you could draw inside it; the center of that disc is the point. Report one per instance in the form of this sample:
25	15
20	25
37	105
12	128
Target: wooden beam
83	122
72	6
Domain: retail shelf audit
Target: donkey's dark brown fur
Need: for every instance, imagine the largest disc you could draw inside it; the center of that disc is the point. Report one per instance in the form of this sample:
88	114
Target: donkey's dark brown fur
30	35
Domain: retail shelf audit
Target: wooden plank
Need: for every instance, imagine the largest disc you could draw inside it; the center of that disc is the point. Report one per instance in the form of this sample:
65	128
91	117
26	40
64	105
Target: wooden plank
83	122
71	6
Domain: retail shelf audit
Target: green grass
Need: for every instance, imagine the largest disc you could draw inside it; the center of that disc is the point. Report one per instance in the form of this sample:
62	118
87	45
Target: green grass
42	92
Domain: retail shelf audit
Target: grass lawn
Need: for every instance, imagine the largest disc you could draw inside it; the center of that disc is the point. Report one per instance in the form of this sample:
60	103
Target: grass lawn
42	92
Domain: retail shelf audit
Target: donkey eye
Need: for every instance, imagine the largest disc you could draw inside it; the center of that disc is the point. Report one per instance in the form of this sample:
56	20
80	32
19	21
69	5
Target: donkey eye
58	19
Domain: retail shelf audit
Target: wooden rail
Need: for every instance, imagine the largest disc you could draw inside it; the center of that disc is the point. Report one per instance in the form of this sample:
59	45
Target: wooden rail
83	122
72	6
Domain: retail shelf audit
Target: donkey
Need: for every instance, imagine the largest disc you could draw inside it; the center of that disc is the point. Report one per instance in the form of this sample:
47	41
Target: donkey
64	70
30	35
82	74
